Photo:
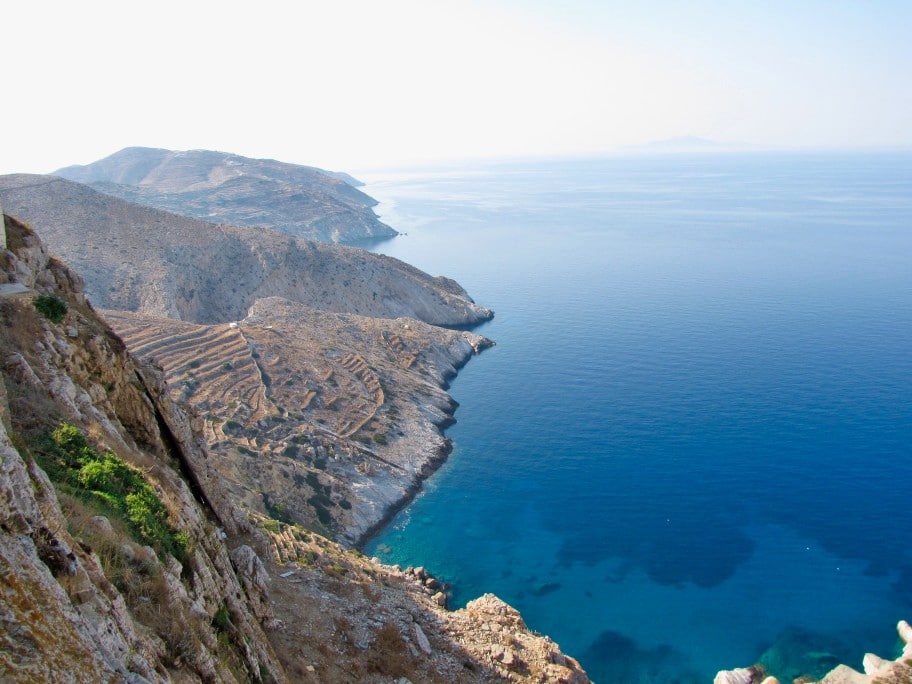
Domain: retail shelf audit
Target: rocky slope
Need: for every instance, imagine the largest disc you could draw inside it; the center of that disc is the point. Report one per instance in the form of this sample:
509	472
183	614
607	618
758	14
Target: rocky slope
227	188
82	599
139	259
86	598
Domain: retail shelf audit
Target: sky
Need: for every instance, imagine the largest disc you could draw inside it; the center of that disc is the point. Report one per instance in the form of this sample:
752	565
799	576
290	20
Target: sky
364	84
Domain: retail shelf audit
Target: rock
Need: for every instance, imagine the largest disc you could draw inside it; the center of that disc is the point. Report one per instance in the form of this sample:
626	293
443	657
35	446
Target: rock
905	632
422	640
743	675
845	675
101	524
255	580
874	665
440	599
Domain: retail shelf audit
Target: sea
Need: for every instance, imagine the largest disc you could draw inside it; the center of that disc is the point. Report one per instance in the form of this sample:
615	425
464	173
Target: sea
691	448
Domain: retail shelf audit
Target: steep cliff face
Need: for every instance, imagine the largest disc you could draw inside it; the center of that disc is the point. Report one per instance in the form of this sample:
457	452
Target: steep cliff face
82	597
227	188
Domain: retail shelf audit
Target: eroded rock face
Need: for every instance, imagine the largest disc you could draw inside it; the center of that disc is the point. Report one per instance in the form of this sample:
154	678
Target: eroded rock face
79	596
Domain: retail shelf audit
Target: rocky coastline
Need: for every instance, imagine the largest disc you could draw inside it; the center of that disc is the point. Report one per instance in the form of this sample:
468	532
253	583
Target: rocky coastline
877	670
236	596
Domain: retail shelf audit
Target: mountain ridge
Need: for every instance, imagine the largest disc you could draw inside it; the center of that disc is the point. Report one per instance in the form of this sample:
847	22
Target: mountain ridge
137	258
227	188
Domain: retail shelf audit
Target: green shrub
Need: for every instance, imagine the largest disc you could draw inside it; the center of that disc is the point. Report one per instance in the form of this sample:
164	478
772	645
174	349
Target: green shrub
222	619
51	307
380	438
114	486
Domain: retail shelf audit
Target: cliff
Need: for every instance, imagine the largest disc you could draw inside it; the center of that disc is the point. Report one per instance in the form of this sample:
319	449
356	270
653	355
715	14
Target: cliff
84	599
227	188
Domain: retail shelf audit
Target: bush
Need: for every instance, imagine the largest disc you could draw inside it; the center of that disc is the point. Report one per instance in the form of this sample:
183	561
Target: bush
51	307
113	486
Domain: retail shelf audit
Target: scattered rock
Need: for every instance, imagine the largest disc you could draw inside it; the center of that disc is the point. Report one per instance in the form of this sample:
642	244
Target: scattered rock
422	640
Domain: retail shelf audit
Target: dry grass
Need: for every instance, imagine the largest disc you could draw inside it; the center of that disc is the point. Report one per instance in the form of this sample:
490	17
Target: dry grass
389	653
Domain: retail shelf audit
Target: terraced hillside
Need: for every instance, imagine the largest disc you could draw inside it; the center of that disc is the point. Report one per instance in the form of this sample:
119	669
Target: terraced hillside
210	364
324	419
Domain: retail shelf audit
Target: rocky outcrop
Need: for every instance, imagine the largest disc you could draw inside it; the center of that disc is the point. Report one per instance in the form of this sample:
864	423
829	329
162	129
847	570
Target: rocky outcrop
227	188
347	618
877	670
134	258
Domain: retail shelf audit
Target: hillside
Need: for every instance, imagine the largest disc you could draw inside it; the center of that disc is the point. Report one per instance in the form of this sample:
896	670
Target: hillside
125	559
327	420
139	259
227	188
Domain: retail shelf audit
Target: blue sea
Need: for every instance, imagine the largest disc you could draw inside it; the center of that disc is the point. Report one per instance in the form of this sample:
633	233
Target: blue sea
691	448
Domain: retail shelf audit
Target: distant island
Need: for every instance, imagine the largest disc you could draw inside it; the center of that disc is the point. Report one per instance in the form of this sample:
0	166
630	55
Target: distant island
687	144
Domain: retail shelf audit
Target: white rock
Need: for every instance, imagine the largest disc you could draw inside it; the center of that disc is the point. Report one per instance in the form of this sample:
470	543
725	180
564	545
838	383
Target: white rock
742	675
874	665
422	640
905	632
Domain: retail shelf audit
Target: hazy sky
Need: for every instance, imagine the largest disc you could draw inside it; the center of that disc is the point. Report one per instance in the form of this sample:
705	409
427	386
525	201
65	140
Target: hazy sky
351	84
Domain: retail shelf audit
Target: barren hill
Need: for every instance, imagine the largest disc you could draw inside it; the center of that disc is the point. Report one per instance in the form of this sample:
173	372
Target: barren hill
227	188
140	259
327	420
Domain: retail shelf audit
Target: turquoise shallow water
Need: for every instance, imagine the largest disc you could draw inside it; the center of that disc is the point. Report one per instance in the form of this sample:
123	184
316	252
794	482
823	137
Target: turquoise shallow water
692	440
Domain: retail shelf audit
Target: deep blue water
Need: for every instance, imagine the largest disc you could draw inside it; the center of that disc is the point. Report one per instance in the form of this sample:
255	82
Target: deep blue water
692	439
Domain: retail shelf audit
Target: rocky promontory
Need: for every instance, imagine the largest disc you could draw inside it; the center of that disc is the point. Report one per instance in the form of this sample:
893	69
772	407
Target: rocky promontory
228	188
326	420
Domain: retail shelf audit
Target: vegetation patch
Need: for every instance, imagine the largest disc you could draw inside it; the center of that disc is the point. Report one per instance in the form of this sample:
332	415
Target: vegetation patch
117	489
51	307
277	510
